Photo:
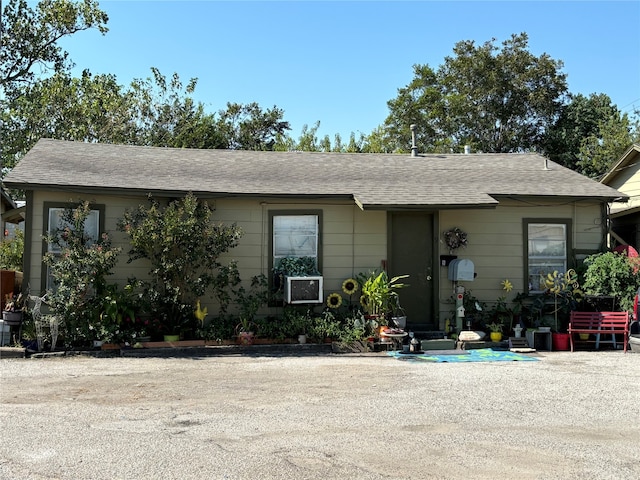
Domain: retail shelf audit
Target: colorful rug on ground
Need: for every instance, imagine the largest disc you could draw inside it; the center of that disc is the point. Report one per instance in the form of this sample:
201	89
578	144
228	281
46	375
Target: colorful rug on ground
479	355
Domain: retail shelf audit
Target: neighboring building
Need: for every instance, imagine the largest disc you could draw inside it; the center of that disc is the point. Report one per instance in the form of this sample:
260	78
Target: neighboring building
523	215
624	176
11	215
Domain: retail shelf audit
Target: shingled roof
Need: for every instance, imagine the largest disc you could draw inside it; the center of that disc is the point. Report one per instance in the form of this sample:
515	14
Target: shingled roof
371	180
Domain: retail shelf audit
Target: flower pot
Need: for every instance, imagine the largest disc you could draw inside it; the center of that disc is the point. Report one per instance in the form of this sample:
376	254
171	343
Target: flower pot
12	318
560	341
584	336
302	339
246	338
518	331
495	336
172	338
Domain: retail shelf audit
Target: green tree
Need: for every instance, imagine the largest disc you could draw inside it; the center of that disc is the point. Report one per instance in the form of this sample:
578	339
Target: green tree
589	134
183	246
30	37
11	252
92	108
166	115
603	148
496	100
79	270
248	127
612	274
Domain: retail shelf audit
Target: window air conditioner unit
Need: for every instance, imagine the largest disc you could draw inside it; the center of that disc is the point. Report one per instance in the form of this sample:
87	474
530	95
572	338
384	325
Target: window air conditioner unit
303	290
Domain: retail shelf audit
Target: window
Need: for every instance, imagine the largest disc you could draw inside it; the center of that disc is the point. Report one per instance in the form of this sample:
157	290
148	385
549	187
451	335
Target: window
295	235
93	225
547	244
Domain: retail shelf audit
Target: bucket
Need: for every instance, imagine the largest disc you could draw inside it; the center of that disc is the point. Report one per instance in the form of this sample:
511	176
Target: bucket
560	341
5	333
399	322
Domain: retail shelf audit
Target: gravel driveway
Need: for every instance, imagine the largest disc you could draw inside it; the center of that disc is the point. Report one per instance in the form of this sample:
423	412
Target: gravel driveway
296	416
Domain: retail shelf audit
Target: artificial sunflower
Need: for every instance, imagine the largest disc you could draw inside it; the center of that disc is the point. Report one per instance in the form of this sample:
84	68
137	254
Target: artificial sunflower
334	300
507	285
350	286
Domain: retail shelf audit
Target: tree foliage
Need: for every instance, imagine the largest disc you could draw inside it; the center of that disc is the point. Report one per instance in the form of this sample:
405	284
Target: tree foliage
496	100
155	111
79	272
183	246
30	37
165	114
308	141
589	135
248	127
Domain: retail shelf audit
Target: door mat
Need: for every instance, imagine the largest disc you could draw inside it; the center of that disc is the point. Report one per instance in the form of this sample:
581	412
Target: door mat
477	355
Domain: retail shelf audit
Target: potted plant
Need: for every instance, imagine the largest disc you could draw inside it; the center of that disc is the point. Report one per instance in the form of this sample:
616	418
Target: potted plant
379	296
246	331
495	331
13	309
325	327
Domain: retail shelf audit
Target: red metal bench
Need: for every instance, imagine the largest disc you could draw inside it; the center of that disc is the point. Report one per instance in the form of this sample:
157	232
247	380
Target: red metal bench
600	323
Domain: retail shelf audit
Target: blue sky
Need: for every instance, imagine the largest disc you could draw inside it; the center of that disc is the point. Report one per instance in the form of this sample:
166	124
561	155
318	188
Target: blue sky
340	62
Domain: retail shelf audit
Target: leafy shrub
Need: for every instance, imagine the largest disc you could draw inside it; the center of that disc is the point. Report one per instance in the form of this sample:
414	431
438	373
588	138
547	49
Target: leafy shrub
183	245
612	274
79	273
11	252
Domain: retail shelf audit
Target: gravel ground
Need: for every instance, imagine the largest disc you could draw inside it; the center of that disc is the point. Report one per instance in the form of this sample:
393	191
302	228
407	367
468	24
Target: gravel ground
569	415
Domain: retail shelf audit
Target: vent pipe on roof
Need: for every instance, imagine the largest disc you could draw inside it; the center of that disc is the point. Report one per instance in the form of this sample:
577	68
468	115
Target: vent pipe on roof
467	149
546	164
414	148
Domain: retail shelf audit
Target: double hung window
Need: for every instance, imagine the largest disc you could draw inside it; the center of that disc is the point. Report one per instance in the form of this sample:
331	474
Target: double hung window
547	244
295	235
54	223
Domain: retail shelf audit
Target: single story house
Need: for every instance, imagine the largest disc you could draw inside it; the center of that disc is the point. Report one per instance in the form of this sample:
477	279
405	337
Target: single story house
624	175
523	215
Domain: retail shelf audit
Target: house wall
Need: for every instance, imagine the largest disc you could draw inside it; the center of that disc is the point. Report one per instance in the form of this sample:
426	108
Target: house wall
353	241
496	244
627	181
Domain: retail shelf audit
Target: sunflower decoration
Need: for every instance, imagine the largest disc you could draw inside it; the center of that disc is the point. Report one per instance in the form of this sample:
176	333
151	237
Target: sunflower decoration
507	285
334	300
350	286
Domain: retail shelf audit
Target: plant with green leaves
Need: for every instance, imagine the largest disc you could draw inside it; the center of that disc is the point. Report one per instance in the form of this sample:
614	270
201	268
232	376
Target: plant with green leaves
184	246
79	270
495	327
324	326
11	252
612	274
379	296
297	267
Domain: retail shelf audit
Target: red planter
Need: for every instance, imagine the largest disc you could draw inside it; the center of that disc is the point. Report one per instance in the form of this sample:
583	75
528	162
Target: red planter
560	341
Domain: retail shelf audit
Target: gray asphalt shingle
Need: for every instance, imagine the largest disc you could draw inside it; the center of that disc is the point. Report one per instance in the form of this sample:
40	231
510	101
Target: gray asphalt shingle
382	180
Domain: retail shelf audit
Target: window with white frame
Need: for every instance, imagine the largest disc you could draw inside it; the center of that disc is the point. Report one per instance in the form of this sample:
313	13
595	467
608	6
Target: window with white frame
547	251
